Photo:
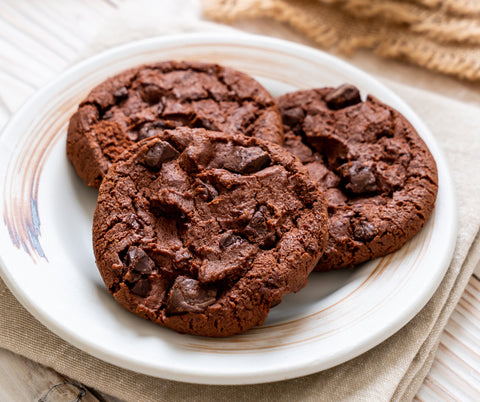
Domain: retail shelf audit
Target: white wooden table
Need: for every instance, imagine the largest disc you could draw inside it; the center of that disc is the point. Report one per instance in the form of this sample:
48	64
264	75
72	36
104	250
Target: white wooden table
39	39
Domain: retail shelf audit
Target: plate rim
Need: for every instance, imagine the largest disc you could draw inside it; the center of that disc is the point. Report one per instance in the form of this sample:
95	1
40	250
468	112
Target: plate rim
248	39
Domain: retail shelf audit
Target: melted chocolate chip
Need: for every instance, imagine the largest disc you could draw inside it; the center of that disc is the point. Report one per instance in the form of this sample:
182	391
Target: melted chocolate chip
343	96
182	258
152	128
231	263
268	241
174	207
121	93
151	94
363	231
228	239
206	191
259	231
259	218
161	152
247	160
361	178
293	116
142	287
139	261
188	295
147	131
131	277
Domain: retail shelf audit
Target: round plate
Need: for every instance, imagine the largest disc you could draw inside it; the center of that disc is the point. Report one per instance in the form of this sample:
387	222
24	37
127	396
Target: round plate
48	263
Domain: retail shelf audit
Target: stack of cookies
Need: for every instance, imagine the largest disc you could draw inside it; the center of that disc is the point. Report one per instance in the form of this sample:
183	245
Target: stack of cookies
216	199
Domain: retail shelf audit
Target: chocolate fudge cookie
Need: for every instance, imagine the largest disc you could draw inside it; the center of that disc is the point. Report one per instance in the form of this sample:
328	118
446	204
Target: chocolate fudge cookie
379	178
203	232
142	101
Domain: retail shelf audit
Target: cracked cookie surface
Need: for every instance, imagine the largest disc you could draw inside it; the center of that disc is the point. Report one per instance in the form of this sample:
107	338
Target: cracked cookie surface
143	101
379	177
203	232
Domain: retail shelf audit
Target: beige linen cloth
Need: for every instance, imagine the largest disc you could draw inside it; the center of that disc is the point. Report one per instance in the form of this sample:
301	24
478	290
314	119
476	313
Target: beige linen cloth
393	370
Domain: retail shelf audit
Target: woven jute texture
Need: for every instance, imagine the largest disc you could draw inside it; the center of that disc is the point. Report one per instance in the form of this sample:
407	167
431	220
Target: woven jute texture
443	36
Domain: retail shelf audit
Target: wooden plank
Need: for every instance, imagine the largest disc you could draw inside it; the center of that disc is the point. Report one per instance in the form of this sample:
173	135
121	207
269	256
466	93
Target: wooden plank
14	91
59	24
60	28
455	373
26	29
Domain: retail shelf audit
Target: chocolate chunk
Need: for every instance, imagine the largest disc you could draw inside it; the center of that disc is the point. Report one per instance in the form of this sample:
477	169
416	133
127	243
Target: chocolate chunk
141	287
228	239
132	277
258	229
188	295
363	231
161	152
343	96
293	116
206	191
231	263
268	241
259	218
196	157
147	131
121	93
172	205
182	258
247	160
361	179
152	128
139	261
151	94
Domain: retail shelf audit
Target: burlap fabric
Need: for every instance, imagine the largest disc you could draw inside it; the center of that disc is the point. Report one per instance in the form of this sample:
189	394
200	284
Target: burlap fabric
441	35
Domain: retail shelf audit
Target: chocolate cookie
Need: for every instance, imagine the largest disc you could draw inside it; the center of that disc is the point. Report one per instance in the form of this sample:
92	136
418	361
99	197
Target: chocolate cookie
203	232
143	101
379	178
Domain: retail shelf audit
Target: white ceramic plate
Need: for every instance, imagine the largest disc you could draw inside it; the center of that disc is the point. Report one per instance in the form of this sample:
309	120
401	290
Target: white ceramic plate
47	258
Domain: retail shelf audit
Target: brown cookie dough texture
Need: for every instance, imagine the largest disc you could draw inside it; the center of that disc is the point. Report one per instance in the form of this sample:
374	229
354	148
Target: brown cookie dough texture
203	232
143	101
378	175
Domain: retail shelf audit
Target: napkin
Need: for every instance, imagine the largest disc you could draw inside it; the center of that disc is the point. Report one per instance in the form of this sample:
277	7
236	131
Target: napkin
391	371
